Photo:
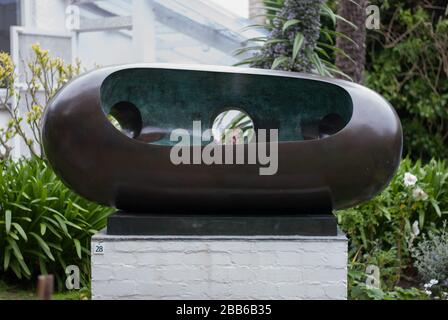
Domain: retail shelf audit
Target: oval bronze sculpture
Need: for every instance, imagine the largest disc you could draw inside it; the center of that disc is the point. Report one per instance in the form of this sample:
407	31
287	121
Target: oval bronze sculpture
339	143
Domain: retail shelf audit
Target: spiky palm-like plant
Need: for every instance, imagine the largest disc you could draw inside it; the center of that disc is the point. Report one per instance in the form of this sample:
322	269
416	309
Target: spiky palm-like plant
296	40
296	31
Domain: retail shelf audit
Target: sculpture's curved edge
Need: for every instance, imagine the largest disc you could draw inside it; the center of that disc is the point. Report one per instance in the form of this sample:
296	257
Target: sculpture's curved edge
65	108
384	132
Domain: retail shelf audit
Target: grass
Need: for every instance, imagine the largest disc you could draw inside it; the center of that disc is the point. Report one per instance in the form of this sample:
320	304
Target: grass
17	292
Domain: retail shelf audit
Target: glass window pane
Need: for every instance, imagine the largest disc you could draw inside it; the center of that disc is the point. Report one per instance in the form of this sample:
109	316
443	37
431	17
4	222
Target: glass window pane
9	16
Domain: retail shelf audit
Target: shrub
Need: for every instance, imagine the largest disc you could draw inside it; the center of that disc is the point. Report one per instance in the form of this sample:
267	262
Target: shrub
385	229
431	259
44	226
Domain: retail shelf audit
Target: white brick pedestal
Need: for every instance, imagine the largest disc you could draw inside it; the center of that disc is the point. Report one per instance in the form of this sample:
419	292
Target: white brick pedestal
287	267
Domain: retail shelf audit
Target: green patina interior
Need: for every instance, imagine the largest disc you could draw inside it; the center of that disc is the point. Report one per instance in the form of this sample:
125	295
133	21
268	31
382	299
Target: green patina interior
170	99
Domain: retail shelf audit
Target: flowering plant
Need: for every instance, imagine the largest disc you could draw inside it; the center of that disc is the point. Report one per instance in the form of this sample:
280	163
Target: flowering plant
43	77
431	261
414	204
298	39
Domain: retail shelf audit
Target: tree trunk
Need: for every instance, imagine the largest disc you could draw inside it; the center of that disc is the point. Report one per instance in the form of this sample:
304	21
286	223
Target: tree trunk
357	15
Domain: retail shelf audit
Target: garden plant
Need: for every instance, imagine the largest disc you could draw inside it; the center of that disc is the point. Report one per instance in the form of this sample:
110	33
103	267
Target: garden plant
44	226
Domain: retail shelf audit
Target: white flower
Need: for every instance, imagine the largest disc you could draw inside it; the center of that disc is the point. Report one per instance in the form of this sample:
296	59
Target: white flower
415	229
433	282
409	179
428	292
418	194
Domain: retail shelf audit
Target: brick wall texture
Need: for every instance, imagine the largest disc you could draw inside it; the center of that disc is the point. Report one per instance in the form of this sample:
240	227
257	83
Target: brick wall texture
220	269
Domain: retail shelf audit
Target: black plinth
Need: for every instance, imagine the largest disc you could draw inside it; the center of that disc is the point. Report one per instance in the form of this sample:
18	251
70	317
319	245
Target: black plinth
122	223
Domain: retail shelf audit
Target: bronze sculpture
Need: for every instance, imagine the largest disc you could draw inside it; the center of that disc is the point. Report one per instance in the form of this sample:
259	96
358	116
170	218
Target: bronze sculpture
339	143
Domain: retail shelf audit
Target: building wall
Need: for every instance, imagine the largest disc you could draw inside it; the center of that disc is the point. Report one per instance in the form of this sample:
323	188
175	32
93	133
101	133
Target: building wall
49	14
104	48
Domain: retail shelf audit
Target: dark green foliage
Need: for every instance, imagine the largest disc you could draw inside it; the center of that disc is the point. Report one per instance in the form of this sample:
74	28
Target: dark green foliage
44	226
408	65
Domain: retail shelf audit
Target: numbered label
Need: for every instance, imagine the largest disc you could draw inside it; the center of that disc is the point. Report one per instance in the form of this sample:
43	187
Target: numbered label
98	248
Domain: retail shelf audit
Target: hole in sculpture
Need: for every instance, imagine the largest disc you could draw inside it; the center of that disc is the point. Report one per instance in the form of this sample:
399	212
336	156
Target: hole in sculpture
330	124
126	117
327	126
233	126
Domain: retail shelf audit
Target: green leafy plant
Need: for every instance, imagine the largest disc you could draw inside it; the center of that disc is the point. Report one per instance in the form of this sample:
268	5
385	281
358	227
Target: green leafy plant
386	228
384	287
408	64
44	226
233	126
363	292
297	40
